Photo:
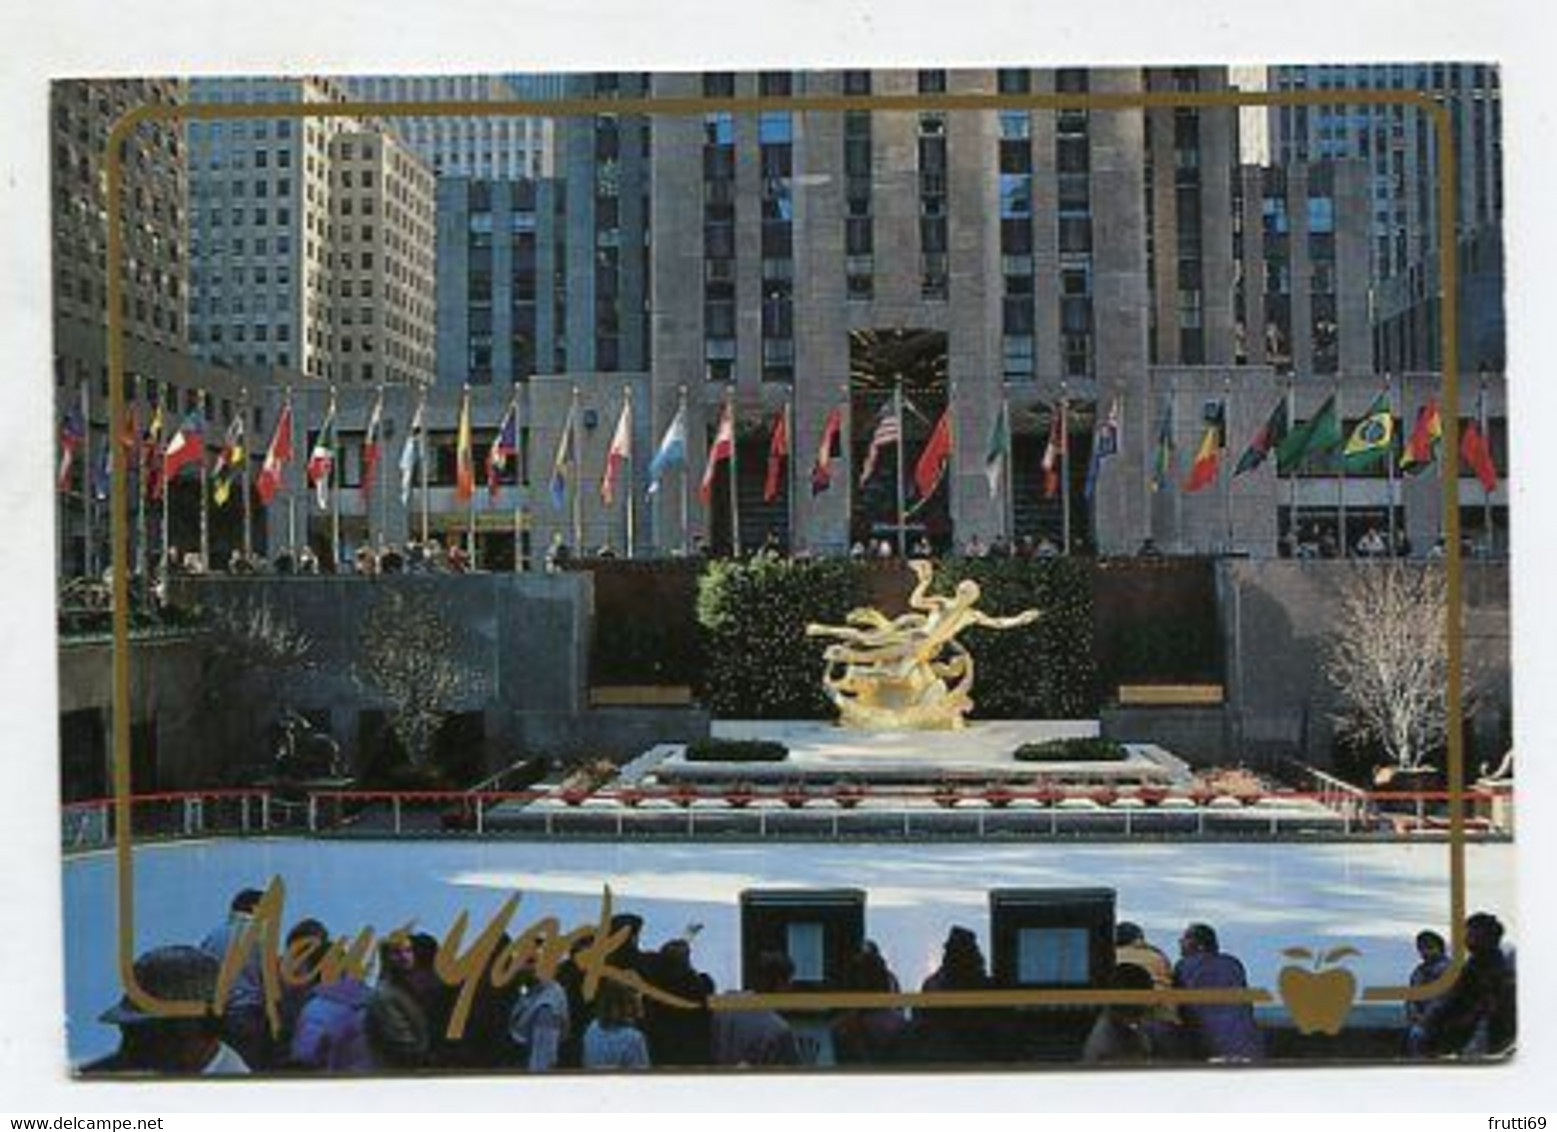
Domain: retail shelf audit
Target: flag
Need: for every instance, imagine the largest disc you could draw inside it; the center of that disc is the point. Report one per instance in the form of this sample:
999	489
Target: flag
277	454
1372	439
1104	445
129	438
1478	456
1422	447
932	461
464	456
672	452
722	449
1208	458
1162	463
620	452
778	455
321	461
71	433
504	448
187	447
995	455
888	431
829	450
1054	451
151	455
409	453
562	463
1267	440
1317	436
228	461
371	448
103	473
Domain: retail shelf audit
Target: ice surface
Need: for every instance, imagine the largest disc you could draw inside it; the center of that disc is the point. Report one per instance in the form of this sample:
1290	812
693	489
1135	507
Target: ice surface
1261	897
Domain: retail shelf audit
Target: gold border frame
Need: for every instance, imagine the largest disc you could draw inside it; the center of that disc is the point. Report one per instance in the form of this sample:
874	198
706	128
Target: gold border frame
124	127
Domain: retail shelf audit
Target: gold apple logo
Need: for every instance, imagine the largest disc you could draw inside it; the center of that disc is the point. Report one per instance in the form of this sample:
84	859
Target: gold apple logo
1320	997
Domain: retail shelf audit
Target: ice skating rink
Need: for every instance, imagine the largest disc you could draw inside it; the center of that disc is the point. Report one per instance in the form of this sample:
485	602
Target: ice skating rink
1261	897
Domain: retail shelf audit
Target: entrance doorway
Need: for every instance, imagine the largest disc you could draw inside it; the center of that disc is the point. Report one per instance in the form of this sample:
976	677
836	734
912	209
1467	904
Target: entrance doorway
886	504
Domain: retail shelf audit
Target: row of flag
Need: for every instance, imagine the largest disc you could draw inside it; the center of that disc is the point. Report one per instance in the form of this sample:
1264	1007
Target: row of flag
1371	442
1369	445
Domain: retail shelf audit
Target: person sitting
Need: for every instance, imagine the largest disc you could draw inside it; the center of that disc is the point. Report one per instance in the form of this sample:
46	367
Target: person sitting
1222	1031
183	1046
758	1037
869	1034
1421	1013
955	1034
1120	1034
676	1035
1478	1013
613	1040
539	1022
558	554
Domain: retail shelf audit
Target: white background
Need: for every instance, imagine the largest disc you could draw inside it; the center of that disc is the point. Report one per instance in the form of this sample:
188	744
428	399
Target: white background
77	38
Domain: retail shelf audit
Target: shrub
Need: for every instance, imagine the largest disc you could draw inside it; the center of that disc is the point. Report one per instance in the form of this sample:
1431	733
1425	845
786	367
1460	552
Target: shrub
736	751
760	663
1045	670
1071	751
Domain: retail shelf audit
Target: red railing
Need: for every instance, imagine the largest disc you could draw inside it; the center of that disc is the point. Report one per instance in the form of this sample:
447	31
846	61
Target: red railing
240	812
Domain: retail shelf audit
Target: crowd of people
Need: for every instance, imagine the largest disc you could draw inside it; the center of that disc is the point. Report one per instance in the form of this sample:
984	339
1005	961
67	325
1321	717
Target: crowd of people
397	1019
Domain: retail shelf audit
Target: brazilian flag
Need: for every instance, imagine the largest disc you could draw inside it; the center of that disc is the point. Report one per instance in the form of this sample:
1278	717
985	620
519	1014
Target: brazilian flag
1373	438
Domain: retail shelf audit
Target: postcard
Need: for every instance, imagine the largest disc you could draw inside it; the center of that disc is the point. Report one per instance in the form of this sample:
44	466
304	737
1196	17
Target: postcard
794	572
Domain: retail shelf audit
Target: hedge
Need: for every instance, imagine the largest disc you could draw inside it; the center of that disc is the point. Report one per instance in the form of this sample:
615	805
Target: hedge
736	751
1072	751
761	665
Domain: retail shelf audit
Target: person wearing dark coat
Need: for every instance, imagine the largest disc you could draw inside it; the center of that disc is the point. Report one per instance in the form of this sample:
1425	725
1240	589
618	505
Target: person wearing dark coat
1477	1018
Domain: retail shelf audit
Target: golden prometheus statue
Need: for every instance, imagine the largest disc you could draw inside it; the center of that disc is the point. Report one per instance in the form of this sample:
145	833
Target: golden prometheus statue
907	673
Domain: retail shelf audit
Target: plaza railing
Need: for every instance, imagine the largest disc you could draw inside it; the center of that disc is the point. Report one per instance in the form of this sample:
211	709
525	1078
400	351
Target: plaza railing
795	810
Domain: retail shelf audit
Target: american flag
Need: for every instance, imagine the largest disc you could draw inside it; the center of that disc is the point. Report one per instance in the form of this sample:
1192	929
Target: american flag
888	431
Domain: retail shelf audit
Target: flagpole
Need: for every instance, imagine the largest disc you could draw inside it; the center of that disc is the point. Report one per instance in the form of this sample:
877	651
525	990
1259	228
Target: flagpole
248	513
519	486
286	408
577	477
1293	527
378	471
1065	466
1007	471
88	556
1486	439
632	503
686	480
421	460
1389	457
902	441
1226	473
1169	483
333	486
952	494
791	506
470	457
61	508
1340	480
735	482
846	445
142	528
162	479
205	503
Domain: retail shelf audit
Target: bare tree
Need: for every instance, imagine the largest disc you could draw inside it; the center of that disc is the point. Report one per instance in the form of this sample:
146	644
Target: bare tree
253	652
1389	659
407	657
